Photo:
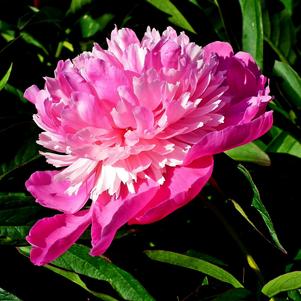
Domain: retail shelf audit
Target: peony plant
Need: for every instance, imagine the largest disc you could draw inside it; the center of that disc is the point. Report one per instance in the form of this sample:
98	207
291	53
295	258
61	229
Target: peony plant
132	130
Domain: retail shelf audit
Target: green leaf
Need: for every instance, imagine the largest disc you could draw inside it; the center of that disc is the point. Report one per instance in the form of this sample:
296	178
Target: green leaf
77	280
90	26
252	29
5	78
77	5
15	91
29	39
284	143
249	153
13	235
294	295
283	283
17	213
235	294
78	260
291	84
288	4
25	155
259	206
176	16
196	264
6	296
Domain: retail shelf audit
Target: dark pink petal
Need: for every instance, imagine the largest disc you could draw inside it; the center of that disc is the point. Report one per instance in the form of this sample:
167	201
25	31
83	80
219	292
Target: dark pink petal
52	236
109	214
230	137
51	193
181	185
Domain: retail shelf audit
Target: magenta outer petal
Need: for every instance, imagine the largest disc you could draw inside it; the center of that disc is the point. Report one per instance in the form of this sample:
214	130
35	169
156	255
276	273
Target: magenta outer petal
51	194
108	218
52	236
182	184
230	137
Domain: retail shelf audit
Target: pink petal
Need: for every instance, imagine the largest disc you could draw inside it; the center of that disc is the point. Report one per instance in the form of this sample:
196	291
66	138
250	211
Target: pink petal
222	49
51	193
109	214
230	137
181	185
52	236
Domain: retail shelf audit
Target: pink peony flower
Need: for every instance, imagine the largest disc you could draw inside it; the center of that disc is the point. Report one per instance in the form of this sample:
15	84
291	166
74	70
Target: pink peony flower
133	129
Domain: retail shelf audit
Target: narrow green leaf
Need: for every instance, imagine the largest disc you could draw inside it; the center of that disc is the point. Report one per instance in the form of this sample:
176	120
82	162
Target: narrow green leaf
284	143
196	264
176	16
259	206
77	280
78	260
283	283
249	153
291	82
252	29
32	41
5	78
6	296
77	5
15	91
25	155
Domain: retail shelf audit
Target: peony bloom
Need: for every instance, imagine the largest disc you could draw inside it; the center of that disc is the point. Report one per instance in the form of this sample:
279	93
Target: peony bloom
133	130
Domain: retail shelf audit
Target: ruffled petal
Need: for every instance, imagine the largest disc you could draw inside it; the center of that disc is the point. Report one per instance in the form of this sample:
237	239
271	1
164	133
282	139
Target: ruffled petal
110	214
230	137
52	236
181	185
52	193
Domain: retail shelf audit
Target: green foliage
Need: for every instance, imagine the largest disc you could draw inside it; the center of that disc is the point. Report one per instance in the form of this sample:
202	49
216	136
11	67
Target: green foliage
34	35
199	265
283	283
252	31
249	153
77	260
6	296
259	206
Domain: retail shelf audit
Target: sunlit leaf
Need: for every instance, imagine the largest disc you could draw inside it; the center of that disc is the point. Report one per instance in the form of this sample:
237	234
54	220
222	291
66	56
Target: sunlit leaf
259	206
196	264
5	78
249	153
176	16
284	143
6	296
286	282
27	154
252	31
291	82
78	260
77	280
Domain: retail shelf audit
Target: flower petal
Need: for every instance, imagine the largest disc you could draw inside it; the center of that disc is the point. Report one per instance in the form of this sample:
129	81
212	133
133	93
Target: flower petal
110	214
51	193
52	236
230	137
181	185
